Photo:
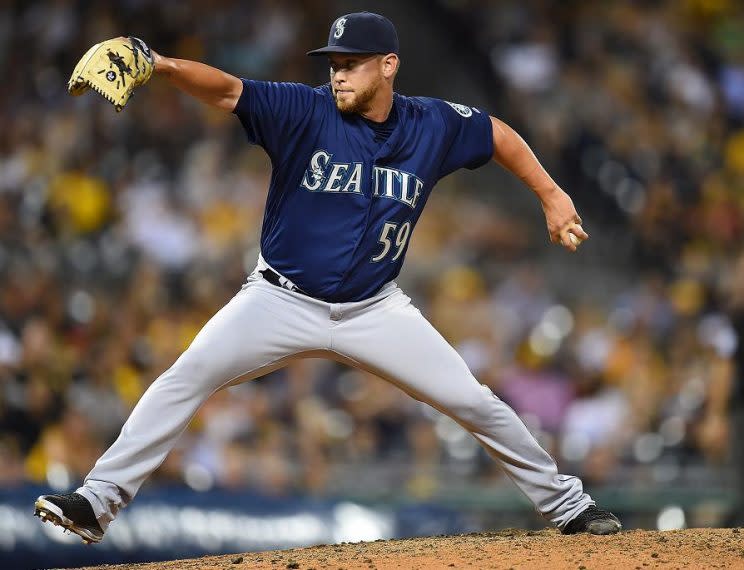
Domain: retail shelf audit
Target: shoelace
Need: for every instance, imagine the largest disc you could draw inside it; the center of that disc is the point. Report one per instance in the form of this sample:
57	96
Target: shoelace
594	513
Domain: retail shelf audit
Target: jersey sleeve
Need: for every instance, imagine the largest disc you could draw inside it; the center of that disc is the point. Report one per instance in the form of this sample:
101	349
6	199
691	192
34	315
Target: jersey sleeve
468	137
272	114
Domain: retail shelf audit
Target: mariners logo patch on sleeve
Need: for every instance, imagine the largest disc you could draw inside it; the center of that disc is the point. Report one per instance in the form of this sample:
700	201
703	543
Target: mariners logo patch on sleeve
463	110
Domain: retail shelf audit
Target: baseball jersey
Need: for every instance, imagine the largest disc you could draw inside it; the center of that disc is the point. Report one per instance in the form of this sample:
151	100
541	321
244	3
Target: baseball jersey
342	202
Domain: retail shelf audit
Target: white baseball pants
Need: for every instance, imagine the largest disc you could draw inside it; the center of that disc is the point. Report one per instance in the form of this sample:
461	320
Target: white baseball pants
264	327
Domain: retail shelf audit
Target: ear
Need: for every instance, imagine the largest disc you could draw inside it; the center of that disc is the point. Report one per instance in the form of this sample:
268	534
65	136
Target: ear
390	63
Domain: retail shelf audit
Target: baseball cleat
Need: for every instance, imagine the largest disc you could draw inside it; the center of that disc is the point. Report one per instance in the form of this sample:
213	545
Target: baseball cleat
594	521
72	512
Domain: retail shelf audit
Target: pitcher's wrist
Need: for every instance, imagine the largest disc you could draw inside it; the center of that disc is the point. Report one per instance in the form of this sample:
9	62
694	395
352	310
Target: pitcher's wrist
163	65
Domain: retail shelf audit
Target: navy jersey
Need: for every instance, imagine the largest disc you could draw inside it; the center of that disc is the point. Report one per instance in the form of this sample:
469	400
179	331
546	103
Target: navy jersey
342	206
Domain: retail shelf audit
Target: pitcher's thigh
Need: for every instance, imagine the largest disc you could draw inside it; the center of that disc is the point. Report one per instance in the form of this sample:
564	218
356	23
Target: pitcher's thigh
252	332
401	346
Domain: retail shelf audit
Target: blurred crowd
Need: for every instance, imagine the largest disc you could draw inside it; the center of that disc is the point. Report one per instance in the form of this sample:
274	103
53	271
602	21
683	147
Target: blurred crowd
121	234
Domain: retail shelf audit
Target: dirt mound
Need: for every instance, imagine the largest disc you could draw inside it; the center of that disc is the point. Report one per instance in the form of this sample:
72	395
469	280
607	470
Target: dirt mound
517	549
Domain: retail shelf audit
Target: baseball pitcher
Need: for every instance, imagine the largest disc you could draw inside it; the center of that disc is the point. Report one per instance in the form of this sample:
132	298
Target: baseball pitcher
354	163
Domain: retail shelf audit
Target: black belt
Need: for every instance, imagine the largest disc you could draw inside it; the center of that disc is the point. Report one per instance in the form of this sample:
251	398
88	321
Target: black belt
275	279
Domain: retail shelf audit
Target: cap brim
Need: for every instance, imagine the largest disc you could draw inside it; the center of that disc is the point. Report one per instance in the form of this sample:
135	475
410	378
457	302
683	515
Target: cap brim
338	49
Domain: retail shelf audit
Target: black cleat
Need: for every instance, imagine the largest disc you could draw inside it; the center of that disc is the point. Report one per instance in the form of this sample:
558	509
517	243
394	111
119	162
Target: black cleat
72	512
594	521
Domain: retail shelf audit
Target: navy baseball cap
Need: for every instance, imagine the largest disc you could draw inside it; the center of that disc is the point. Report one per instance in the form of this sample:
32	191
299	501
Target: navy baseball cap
360	32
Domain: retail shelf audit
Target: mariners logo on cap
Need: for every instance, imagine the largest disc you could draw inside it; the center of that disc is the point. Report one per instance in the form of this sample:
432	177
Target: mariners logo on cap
340	23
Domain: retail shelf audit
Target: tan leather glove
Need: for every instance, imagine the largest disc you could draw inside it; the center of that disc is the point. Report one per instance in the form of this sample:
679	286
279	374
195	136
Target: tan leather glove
113	68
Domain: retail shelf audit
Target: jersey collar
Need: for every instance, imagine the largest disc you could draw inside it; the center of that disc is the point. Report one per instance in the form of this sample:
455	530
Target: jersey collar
388	147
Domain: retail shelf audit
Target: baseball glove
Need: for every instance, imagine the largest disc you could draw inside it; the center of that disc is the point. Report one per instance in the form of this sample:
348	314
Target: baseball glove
114	69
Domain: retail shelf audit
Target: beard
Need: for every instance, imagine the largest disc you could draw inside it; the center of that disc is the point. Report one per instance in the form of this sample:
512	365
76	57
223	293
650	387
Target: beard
360	100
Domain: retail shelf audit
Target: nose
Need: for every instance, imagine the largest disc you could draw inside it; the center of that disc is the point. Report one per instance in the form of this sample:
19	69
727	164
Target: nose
339	77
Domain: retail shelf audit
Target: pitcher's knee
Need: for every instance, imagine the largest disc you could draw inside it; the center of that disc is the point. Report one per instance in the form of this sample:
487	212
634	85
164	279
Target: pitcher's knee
478	406
190	363
190	373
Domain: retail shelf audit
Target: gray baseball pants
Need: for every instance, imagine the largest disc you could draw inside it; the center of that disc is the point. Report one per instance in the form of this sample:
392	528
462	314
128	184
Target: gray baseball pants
264	327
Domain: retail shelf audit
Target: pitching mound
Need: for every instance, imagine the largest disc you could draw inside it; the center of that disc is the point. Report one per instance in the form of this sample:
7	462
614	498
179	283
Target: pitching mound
517	549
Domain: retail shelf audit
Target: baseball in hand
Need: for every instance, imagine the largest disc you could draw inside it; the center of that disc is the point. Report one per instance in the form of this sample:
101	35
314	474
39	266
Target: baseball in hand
574	240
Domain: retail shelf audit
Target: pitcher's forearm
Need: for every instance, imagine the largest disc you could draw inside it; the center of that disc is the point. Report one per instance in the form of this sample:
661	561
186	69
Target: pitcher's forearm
204	82
513	153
